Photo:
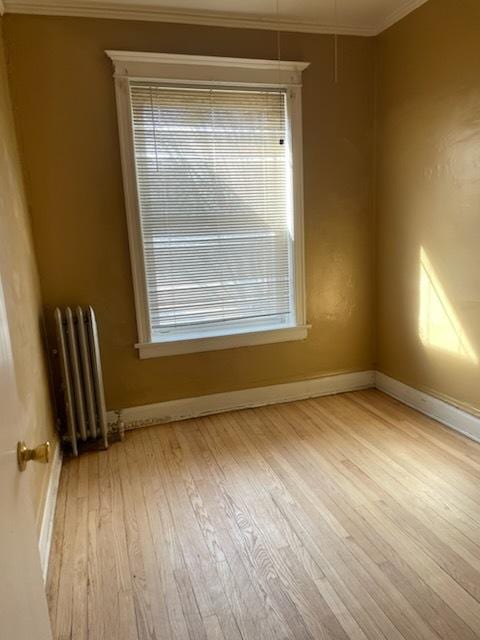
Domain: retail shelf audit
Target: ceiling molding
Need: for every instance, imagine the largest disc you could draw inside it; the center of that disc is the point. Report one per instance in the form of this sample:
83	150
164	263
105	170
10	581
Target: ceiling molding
119	10
405	8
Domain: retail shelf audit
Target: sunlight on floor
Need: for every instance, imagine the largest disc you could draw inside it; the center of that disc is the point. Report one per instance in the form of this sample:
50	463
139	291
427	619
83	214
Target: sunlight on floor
439	326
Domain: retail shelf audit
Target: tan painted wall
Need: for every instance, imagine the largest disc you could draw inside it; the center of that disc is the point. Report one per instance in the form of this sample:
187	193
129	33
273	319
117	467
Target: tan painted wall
63	92
22	294
429	196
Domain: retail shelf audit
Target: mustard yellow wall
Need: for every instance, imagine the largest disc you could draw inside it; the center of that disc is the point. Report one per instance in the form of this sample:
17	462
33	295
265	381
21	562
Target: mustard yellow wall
22	296
429	197
63	92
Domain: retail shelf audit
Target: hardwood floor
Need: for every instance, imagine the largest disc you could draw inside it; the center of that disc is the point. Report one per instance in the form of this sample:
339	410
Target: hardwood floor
348	516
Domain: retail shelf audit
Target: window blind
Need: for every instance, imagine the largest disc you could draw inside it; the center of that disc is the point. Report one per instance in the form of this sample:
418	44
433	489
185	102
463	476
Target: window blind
212	171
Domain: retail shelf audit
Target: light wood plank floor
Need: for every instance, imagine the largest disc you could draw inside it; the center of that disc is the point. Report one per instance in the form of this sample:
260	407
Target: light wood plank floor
349	516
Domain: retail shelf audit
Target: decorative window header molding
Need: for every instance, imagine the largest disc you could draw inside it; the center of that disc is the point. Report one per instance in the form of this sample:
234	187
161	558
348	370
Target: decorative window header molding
204	69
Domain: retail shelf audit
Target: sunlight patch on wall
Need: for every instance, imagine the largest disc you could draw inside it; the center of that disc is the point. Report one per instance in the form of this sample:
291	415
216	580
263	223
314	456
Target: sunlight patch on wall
439	326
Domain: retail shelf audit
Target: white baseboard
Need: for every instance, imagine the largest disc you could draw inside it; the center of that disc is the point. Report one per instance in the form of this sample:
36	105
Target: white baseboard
447	414
150	414
46	529
185	408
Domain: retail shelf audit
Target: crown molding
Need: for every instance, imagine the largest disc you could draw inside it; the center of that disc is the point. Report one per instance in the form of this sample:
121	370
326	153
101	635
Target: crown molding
121	11
400	12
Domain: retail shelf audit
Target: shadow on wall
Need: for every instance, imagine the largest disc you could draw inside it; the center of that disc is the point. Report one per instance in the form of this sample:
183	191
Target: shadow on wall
438	324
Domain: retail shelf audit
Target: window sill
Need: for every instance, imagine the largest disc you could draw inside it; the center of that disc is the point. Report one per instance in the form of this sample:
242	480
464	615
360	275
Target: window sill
215	343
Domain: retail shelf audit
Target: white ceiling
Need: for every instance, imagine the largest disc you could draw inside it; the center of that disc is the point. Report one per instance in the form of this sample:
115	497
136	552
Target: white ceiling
360	17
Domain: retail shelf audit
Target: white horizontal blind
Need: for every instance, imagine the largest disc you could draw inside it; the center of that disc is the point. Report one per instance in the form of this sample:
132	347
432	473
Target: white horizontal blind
212	175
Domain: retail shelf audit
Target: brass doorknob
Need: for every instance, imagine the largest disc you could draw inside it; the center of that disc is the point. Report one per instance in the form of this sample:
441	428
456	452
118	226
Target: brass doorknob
40	454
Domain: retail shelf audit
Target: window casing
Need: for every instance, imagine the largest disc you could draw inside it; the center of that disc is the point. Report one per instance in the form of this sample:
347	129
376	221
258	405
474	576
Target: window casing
211	157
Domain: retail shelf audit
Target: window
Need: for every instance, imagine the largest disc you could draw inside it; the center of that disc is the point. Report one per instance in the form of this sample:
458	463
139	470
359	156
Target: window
212	176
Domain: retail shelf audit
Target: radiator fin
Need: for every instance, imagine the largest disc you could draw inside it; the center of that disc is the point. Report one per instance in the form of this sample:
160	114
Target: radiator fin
84	341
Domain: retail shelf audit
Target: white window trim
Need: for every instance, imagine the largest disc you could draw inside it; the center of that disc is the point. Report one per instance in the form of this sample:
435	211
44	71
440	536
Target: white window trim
207	71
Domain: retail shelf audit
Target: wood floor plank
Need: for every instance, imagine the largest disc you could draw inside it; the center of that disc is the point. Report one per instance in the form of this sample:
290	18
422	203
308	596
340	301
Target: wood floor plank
166	549
55	565
349	517
64	609
80	585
